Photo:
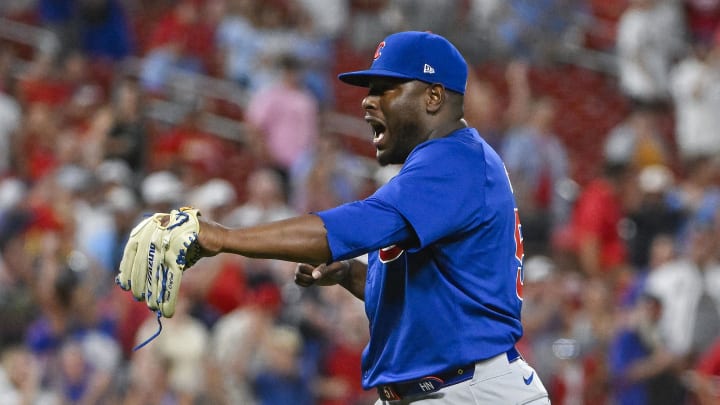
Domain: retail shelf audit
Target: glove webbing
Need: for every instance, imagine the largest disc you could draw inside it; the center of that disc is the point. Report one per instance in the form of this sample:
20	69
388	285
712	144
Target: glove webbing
185	218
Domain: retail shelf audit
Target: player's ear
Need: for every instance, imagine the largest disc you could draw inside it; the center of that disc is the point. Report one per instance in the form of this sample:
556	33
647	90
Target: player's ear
434	97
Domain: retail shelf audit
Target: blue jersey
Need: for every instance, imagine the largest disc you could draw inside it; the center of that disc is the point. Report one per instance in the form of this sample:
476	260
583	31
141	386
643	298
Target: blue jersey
445	260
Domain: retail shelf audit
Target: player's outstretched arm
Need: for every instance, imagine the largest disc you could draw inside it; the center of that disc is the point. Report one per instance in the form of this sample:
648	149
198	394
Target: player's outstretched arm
300	239
350	274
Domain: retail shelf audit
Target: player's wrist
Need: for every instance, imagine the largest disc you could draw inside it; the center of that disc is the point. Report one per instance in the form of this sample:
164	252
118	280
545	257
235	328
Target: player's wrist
212	238
344	275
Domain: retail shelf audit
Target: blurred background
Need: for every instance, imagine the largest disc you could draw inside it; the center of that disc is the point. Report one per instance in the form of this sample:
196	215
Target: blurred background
607	114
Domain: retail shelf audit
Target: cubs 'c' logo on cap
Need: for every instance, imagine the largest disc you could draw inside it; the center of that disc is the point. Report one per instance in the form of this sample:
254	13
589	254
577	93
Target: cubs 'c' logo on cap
378	50
390	253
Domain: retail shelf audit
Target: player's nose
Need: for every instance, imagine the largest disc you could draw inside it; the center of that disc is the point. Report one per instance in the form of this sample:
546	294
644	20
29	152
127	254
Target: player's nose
369	102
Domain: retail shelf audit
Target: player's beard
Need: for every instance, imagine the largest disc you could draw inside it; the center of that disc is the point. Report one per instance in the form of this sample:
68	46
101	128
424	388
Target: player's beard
406	136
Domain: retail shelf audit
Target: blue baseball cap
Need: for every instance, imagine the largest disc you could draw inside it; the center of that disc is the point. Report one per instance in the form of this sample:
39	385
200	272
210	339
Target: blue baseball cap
415	55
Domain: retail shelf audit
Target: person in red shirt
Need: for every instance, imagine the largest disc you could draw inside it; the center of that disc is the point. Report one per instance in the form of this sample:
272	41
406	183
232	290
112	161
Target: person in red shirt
706	378
596	222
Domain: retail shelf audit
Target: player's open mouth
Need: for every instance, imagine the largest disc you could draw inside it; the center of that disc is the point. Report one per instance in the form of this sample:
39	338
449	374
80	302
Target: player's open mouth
378	129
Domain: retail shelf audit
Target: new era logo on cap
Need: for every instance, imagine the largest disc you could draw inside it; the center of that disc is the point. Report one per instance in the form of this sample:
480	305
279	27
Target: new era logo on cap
415	55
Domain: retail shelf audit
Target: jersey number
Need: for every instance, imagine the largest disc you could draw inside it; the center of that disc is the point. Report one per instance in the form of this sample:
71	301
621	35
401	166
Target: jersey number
519	254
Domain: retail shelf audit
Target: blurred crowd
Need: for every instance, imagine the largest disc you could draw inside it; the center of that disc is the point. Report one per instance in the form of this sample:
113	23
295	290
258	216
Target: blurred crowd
622	269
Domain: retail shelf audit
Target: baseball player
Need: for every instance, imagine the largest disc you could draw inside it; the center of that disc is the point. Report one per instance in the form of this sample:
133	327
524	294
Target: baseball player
443	281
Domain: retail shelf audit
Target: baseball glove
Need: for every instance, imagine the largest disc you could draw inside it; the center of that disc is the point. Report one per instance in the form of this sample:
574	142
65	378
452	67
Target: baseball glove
159	250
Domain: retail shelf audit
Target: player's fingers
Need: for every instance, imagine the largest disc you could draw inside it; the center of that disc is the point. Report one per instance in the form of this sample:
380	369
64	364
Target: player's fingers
127	264
303	275
141	265
320	272
170	279
124	276
155	258
330	274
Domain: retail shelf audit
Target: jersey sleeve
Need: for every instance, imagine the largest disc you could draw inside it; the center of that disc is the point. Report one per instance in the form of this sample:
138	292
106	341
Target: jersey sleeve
362	226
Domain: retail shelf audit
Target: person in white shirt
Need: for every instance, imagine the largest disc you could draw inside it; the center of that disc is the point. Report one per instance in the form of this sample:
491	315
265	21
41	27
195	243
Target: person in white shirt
649	37
695	89
684	286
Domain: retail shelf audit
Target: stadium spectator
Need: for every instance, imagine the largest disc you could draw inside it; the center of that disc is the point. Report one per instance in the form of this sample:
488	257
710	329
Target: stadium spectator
591	327
92	222
20	379
544	299
104	32
537	30
284	118
486	111
236	338
161	190
10	121
339	363
687	290
696	272
123	204
317	55
74	340
600	249
57	16
326	175
37	144
702	18
696	195
328	18
128	135
87	368
182	39
189	150
182	349
280	29
266	201
653	214
238	42
18	303
370	21
148	381
427	15
637	140
650	36
537	162
705	375
638	357
695	88
482	110
278	379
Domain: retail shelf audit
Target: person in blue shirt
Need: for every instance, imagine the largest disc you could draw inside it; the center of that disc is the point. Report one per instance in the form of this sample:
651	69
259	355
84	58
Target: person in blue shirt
443	281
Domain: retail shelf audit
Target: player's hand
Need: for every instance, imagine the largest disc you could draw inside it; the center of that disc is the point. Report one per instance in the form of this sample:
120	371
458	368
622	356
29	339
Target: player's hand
322	275
158	251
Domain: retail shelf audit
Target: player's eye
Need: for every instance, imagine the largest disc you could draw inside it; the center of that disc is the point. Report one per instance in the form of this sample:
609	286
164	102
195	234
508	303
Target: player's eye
381	86
378	90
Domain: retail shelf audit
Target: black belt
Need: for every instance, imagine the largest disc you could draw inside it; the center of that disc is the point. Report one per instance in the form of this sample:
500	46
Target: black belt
432	383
